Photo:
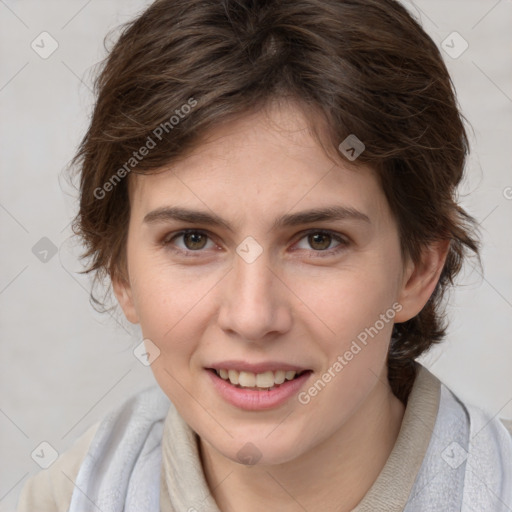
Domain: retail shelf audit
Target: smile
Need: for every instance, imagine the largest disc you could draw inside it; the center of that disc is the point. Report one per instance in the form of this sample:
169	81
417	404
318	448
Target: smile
257	391
258	381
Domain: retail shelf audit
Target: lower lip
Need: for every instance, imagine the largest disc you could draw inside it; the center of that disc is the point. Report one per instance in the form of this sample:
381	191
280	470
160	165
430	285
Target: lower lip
253	400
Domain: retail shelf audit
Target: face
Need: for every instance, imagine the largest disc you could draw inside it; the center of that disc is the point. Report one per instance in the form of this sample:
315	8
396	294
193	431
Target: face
259	254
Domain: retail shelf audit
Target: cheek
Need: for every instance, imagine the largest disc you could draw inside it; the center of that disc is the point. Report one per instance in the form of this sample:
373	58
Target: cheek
358	310
168	297
346	302
171	313
174	307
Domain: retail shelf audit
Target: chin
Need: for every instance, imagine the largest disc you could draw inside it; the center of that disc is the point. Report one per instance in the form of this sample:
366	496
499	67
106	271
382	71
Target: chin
258	450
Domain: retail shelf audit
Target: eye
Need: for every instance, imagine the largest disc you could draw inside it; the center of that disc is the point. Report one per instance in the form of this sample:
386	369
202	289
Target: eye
322	241
192	240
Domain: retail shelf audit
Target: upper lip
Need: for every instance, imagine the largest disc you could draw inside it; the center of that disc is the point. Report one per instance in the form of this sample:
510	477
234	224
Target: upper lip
268	366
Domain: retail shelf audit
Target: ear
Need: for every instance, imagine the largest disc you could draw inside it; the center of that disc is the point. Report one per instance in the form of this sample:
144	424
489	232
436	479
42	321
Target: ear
123	292
420	280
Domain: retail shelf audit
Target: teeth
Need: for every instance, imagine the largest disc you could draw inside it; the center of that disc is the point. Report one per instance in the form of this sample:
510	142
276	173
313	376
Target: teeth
279	376
265	380
233	376
246	379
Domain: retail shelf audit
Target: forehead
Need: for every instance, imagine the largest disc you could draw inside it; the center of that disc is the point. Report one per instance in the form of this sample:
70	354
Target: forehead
263	162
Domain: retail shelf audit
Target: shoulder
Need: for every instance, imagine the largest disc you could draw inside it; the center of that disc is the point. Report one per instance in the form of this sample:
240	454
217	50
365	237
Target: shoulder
488	482
51	489
484	426
474	442
426	382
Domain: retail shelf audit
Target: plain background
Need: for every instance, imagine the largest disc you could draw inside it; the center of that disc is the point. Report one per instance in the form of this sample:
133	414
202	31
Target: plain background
63	366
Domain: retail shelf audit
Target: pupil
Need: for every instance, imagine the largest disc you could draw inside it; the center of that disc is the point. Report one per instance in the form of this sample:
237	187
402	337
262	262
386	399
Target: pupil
317	238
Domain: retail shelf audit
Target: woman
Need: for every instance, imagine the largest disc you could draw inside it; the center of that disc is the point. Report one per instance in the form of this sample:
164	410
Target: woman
270	188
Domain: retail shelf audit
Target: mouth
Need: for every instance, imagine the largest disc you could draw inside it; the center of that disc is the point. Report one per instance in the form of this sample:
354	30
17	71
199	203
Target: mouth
263	381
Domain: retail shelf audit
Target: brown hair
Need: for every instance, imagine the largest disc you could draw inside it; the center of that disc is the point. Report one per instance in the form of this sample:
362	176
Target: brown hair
366	66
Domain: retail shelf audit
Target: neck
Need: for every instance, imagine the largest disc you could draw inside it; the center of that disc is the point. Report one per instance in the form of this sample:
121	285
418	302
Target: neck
335	475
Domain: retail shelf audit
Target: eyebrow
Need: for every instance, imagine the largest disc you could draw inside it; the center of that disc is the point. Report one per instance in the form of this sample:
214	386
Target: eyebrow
326	214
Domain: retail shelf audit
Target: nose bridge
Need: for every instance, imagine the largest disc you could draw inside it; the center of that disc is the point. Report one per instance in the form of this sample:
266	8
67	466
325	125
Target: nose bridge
253	280
254	303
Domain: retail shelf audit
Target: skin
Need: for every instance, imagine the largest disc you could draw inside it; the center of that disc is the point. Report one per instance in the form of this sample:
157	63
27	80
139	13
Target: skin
297	302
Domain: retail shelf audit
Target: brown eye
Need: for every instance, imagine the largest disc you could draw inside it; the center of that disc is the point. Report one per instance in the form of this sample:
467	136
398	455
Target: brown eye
194	241
188	242
320	241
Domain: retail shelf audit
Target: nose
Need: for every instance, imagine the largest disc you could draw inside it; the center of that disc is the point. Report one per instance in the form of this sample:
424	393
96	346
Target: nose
255	302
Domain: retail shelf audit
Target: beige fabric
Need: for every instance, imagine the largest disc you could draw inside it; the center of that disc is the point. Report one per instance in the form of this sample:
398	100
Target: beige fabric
50	490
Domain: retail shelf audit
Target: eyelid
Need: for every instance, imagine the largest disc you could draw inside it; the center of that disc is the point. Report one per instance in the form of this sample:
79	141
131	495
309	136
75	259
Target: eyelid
175	234
324	231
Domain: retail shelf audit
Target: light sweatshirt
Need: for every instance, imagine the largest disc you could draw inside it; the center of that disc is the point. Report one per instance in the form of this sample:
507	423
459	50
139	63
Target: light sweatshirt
448	456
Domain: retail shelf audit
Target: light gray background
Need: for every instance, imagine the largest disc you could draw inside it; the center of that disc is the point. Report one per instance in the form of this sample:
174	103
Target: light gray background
64	366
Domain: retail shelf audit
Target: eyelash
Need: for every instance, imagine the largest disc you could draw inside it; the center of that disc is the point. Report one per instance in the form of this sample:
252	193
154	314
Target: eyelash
343	242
